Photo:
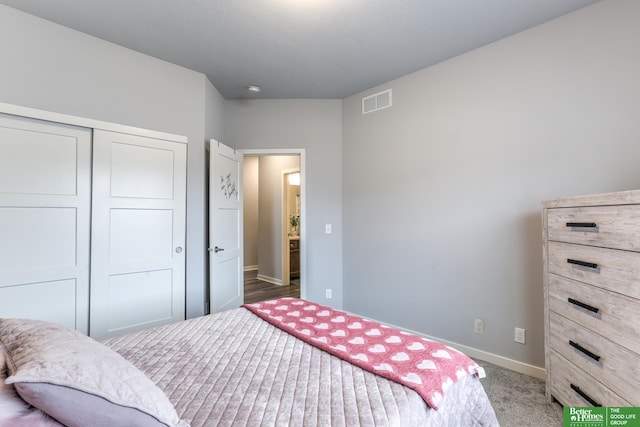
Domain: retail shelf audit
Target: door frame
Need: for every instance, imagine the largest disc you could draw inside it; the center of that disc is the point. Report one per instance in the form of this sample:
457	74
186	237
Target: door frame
286	260
303	202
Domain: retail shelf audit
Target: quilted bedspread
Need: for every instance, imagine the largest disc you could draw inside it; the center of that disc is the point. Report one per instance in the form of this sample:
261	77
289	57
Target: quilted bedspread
233	368
424	365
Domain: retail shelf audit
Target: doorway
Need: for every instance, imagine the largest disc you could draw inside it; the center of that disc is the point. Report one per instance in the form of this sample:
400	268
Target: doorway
291	226
274	226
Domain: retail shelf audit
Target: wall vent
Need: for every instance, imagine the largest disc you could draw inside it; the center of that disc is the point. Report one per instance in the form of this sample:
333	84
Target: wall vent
376	102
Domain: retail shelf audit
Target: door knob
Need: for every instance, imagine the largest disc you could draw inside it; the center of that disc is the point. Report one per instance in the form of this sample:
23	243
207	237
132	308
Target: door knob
217	249
179	249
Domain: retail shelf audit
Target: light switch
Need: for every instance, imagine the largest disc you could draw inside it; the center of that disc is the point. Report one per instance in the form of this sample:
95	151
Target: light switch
327	228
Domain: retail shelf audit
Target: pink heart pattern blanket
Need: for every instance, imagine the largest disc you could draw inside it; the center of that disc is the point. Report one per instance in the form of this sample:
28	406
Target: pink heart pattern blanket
424	365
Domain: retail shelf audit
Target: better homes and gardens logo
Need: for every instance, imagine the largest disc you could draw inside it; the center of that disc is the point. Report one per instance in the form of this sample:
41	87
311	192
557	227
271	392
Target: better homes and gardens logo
601	417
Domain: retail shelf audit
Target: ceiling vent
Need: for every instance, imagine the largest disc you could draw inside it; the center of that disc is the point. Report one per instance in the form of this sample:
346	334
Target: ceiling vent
376	102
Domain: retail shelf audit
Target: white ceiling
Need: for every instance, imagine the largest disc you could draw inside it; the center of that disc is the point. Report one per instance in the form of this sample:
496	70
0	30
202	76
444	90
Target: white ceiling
300	48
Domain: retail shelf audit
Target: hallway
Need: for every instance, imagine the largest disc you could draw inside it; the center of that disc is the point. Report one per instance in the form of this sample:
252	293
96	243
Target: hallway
257	290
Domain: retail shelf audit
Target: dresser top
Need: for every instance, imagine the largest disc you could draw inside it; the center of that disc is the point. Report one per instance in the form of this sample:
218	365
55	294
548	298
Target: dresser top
605	199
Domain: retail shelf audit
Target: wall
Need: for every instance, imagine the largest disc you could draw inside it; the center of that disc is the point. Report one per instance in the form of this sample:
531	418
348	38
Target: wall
50	67
197	290
316	126
250	194
270	214
213	113
442	192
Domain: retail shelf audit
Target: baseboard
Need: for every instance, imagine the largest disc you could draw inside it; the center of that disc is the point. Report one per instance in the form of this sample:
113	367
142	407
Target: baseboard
250	268
268	279
505	362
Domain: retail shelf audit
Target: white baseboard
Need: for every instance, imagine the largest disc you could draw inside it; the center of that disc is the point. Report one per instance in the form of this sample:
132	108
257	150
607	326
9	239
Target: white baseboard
505	362
250	268
271	280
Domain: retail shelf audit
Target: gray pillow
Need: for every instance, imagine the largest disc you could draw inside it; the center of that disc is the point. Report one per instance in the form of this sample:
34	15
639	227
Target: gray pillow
14	411
79	381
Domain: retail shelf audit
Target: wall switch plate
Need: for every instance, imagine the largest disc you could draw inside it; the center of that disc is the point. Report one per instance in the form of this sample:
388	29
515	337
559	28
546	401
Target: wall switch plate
520	335
327	294
478	326
327	228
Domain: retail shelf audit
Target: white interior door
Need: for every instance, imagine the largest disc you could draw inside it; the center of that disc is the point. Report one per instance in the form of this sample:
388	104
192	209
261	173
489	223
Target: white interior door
138	233
226	289
44	221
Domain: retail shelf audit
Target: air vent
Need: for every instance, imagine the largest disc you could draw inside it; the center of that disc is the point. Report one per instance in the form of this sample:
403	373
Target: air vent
376	102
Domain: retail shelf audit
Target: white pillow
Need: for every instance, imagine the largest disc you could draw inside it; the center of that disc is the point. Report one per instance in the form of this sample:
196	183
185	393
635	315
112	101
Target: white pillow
79	381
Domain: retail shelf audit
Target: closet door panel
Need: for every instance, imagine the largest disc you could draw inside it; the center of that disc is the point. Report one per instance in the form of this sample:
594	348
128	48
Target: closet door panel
152	170
138	233
135	236
44	221
138	298
53	168
51	301
43	237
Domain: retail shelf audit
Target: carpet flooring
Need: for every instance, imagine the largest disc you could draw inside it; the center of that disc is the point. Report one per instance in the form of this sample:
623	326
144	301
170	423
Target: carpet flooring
519	399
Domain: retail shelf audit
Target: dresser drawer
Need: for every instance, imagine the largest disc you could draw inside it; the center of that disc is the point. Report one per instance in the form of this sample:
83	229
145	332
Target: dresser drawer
607	226
574	387
606	313
614	270
615	366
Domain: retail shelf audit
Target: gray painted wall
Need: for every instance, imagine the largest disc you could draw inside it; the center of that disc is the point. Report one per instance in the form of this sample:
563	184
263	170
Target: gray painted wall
250	193
442	191
214	105
50	67
316	126
270	213
197	289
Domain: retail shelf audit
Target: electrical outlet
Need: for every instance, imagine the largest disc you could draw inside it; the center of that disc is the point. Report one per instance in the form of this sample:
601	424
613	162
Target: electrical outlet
520	334
327	294
478	326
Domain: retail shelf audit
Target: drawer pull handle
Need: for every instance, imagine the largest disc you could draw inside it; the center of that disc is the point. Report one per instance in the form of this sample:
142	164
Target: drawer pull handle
583	305
584	350
584	395
582	224
582	263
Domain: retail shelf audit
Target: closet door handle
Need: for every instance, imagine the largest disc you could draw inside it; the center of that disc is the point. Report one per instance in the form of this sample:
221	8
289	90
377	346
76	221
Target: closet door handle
583	305
582	224
584	350
217	249
582	263
584	395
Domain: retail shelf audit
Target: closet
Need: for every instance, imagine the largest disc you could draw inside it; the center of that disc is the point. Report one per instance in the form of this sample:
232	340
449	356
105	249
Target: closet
92	224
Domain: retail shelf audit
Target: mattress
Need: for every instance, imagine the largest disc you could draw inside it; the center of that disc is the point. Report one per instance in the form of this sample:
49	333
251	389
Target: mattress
233	368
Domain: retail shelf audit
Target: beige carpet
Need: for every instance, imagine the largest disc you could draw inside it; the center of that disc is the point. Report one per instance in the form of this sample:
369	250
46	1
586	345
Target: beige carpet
519	399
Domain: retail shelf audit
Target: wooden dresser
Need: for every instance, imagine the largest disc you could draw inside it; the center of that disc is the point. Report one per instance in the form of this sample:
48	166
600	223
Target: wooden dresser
591	249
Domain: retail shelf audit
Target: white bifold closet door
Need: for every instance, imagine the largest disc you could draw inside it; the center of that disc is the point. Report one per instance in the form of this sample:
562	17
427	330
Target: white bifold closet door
44	221
137	233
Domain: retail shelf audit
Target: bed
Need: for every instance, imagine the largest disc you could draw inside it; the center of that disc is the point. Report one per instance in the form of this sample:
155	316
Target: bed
230	368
